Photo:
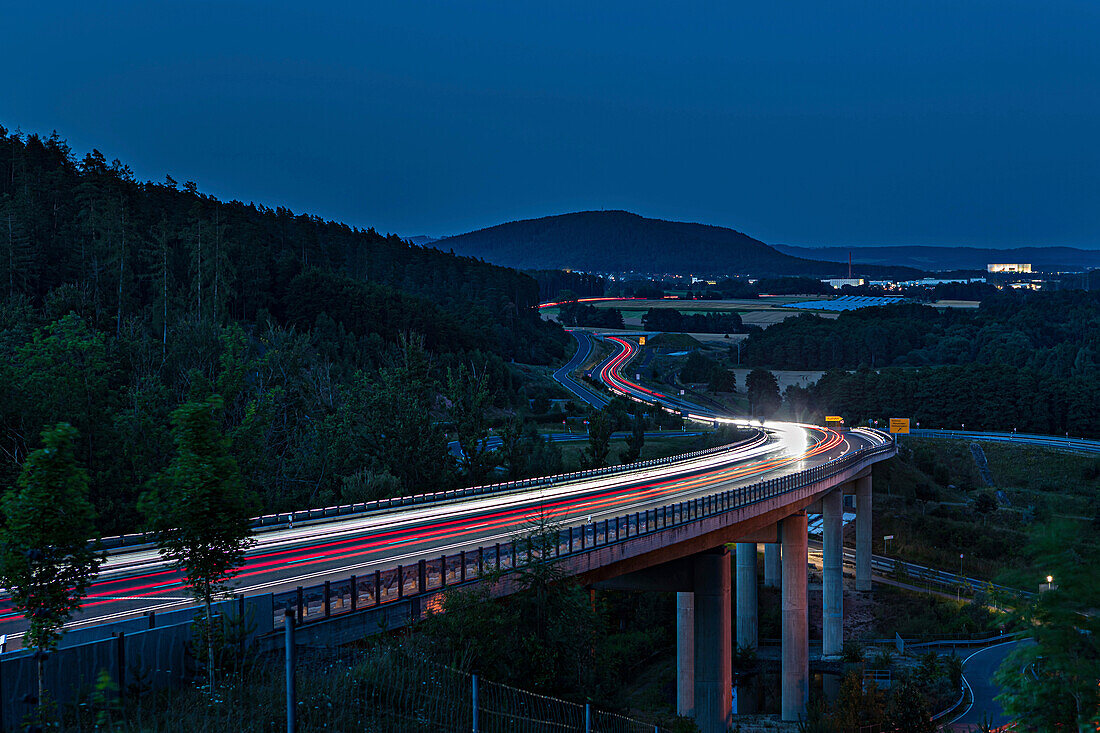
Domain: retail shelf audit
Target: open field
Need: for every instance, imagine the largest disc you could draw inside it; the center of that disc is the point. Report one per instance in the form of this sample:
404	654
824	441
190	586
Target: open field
761	312
709	306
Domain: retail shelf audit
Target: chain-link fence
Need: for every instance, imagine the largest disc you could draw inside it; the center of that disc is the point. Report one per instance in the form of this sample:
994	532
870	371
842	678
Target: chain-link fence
379	689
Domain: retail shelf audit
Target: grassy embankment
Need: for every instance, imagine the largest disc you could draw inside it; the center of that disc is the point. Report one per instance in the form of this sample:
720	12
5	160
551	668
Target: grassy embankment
934	502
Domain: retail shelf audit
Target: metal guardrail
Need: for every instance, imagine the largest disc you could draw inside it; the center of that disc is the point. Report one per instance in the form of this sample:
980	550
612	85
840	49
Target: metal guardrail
907	571
399	583
268	522
1057	442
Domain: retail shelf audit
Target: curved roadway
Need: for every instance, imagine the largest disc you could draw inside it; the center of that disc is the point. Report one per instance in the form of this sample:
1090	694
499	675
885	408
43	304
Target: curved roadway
565	378
139	580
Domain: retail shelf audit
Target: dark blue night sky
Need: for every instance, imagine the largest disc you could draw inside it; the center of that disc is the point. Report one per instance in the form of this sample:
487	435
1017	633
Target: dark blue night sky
898	122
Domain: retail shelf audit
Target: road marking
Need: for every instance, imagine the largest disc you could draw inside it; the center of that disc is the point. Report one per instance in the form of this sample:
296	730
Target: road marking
967	682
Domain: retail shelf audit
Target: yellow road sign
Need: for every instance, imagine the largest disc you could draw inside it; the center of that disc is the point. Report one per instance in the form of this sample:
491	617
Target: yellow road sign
833	418
641	341
899	425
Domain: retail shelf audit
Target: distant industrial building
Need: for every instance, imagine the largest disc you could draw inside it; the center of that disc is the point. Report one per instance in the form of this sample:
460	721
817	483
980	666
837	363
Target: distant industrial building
839	282
929	282
1009	267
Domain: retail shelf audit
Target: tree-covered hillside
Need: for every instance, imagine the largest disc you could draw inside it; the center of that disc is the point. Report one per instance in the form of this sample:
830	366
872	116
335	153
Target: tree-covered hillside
1024	361
1056	333
329	345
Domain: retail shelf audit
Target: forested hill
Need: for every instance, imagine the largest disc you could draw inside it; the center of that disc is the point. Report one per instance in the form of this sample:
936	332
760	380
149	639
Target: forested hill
617	241
330	346
116	246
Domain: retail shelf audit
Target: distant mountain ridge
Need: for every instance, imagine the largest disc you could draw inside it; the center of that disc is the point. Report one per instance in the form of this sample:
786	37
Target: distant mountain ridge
619	241
954	258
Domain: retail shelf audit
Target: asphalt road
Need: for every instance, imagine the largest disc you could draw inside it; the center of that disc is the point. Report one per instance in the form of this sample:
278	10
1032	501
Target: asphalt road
564	377
978	670
133	582
610	374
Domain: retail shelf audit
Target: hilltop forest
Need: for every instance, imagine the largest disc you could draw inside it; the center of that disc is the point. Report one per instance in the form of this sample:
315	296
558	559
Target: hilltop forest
338	351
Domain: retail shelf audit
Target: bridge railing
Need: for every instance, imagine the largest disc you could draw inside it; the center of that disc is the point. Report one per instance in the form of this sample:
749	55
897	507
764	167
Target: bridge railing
283	520
429	576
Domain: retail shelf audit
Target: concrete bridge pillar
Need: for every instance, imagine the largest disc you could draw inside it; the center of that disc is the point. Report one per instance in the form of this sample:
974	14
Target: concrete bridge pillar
771	565
713	640
746	595
832	505
863	533
685	654
795	688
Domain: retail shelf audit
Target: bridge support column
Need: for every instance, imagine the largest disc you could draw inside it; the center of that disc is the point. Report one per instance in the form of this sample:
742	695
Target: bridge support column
863	533
832	553
713	640
746	595
795	689
685	654
771	565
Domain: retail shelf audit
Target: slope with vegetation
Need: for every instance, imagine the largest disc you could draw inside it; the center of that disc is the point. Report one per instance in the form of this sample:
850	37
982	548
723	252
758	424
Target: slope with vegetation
329	345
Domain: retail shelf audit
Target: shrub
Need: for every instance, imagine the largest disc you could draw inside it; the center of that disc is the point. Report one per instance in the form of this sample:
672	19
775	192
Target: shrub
852	652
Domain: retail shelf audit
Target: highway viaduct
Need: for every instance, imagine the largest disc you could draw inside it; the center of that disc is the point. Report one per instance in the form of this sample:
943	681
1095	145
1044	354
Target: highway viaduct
662	525
684	548
694	562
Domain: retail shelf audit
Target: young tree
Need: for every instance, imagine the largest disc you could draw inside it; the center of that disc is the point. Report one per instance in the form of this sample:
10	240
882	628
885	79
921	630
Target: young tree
722	380
516	438
468	392
599	440
199	507
763	392
46	561
402	437
635	440
907	709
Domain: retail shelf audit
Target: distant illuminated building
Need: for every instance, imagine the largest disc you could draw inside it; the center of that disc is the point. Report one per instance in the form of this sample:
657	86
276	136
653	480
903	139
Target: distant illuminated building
839	282
1008	267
